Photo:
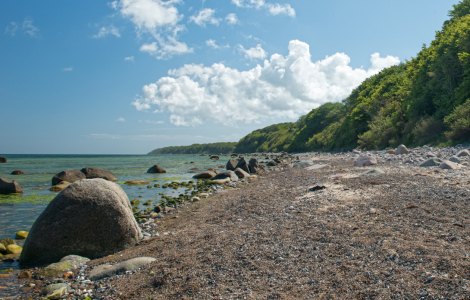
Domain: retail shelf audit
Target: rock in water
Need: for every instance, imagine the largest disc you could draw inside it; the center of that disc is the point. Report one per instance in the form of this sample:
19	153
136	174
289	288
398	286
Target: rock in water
90	218
8	186
402	150
92	173
205	175
156	169
60	186
3	159
226	174
243	164
17	172
231	164
70	175
365	160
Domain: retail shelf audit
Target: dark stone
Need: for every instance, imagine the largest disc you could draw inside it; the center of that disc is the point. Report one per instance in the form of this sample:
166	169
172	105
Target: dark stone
17	172
205	175
8	186
231	164
254	165
70	175
272	163
92	173
226	174
3	159
156	169
243	164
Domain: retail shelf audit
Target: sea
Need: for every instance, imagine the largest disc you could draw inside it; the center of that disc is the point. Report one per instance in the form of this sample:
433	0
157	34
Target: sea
19	211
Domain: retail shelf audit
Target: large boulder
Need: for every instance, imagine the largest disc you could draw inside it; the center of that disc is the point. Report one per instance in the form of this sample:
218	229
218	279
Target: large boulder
463	153
17	172
205	175
254	165
243	164
432	162
232	164
241	173
226	174
448	165
92	173
70	175
365	160
3	159
156	169
402	150
8	186
90	218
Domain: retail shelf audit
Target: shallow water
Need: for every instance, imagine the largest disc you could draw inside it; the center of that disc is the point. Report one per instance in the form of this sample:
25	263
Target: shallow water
18	212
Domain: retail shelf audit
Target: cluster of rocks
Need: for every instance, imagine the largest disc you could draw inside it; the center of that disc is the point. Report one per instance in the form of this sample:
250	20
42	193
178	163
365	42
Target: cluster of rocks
235	169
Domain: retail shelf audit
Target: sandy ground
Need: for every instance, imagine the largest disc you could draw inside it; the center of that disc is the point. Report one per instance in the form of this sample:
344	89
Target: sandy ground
399	235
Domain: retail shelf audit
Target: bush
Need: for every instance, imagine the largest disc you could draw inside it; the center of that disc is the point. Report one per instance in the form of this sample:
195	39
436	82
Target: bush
459	123
427	130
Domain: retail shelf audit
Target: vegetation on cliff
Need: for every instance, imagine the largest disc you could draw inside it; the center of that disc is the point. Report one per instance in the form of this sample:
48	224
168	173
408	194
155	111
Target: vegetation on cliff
213	148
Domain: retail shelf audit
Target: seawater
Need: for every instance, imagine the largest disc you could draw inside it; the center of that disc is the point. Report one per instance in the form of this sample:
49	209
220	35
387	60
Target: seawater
18	212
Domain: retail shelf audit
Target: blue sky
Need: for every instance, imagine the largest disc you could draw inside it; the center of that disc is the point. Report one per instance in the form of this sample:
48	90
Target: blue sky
129	76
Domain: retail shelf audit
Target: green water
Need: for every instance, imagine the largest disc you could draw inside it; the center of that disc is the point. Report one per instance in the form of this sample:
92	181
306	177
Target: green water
18	212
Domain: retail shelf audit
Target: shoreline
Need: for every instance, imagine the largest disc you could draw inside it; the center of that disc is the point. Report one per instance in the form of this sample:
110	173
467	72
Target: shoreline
398	234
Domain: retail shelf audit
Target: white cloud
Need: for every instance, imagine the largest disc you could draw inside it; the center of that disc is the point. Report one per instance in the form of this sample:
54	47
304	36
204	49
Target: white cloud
159	19
273	9
121	119
26	27
104	31
231	19
213	44
154	122
205	16
253	53
11	28
69	69
284	87
129	58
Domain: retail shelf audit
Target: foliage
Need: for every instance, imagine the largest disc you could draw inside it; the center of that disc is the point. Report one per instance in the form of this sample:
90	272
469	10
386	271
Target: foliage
274	138
459	123
213	148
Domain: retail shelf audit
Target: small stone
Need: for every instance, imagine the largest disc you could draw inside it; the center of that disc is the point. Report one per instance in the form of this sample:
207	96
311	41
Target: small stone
25	275
365	160
137	182
21	235
14	249
402	150
51	288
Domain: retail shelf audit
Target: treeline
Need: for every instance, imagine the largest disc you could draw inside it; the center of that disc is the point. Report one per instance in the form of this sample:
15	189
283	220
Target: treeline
214	148
422	101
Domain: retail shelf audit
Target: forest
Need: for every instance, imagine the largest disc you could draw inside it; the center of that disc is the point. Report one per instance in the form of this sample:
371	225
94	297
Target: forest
425	100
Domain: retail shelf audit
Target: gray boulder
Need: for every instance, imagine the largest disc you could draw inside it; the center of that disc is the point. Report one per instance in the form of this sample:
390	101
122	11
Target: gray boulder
365	160
243	164
432	162
92	173
156	169
463	153
241	173
402	150
232	164
226	174
454	159
8	186
133	264
90	218
254	165
3	160
70	175
205	175
448	165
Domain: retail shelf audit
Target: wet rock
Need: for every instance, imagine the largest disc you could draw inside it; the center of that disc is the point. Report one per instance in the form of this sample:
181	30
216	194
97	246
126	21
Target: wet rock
51	288
3	160
104	271
17	172
13	249
226	174
243	164
92	173
205	175
60	186
8	186
448	165
402	150
70	175
156	169
365	160
241	173
68	263
21	235
91	218
137	182
432	162
3	248
272	163
231	164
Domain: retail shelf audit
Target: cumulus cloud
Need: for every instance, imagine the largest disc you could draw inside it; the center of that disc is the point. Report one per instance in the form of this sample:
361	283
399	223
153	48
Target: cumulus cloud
273	9
253	53
205	16
284	87
231	19
27	27
107	30
69	69
213	44
159	19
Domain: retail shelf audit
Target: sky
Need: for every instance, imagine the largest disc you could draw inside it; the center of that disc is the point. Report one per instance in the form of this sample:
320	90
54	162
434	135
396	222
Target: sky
129	76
